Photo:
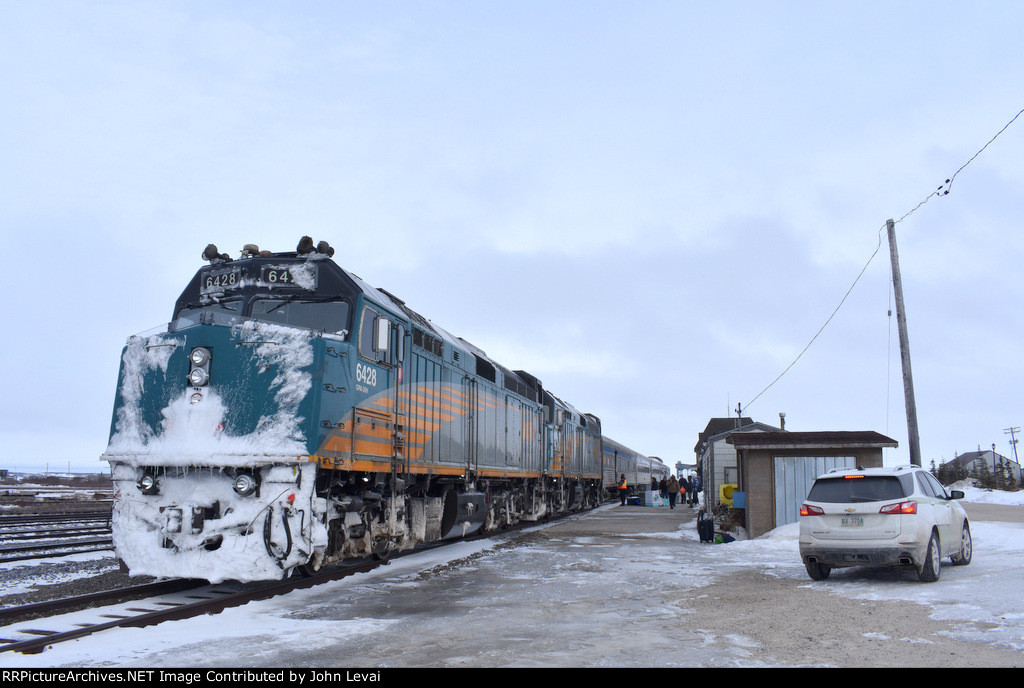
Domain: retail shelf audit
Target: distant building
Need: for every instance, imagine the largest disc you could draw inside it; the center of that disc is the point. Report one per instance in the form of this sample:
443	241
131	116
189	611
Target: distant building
685	469
716	458
977	463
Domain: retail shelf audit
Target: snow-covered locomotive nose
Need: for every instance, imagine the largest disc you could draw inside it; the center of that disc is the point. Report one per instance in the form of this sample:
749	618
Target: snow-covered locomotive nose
193	523
212	485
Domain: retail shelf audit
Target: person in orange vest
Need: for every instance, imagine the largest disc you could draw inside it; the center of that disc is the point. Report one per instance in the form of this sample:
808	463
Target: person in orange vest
622	490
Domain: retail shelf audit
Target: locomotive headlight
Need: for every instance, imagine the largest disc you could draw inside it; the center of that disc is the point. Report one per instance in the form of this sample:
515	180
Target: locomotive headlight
148	484
198	377
245	484
200	373
200	356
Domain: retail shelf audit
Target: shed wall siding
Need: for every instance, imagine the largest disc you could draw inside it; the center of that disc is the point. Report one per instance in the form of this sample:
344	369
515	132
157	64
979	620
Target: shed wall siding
758	479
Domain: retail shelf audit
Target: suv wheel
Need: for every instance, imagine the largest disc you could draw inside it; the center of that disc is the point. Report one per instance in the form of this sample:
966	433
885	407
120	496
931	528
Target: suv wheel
929	572
966	548
818	571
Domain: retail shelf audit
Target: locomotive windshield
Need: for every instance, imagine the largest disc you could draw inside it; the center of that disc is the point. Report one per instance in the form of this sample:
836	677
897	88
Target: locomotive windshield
222	313
329	316
313	295
309	313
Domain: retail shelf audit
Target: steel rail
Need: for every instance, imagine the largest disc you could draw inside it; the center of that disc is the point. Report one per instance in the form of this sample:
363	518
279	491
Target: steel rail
253	591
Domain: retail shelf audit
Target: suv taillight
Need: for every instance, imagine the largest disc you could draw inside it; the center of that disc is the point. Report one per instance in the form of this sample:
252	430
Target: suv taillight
809	510
899	508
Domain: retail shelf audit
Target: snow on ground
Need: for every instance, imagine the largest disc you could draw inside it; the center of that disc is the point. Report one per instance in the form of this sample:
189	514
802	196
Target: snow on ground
984	596
982	599
14	579
980	496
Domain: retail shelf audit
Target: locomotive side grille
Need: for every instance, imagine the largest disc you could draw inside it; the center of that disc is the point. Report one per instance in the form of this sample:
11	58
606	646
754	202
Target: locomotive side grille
427	341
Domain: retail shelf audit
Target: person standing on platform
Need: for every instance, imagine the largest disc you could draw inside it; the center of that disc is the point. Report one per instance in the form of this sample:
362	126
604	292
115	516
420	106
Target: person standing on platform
672	487
623	488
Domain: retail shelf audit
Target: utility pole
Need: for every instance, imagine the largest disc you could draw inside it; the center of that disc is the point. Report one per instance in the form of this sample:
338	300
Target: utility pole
901	322
1012	432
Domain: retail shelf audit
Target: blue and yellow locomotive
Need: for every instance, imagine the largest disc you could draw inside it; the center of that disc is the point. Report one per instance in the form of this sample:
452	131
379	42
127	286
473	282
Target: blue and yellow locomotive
291	415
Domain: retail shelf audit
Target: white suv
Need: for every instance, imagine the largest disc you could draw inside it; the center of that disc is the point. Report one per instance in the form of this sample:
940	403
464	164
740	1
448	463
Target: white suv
882	516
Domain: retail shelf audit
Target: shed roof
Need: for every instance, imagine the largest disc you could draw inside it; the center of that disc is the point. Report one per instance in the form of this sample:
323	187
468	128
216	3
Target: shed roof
811	440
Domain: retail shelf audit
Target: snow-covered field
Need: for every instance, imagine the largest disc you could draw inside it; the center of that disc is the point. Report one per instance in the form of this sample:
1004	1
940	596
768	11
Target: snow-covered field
982	599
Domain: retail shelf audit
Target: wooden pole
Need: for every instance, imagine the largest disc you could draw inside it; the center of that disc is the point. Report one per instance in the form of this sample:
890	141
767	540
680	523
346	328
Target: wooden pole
901	322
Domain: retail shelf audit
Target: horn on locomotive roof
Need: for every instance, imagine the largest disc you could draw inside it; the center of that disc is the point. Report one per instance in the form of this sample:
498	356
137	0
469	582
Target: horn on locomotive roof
211	254
325	248
305	246
250	250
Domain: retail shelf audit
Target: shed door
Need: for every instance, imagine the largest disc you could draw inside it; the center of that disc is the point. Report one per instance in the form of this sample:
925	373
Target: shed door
794	476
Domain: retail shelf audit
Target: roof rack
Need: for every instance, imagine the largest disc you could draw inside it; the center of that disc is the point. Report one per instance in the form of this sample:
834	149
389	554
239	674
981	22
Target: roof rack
902	467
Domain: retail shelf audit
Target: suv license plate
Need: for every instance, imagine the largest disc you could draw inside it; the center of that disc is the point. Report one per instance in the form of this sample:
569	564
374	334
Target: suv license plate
852	521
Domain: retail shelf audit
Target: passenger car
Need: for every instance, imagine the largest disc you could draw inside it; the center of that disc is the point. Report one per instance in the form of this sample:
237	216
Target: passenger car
899	516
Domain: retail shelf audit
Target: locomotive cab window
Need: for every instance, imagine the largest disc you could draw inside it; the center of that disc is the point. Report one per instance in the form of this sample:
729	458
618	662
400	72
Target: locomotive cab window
375	337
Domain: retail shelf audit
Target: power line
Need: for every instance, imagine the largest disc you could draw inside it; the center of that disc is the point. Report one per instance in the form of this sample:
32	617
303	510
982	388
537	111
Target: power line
949	182
947	186
888	355
943	190
822	328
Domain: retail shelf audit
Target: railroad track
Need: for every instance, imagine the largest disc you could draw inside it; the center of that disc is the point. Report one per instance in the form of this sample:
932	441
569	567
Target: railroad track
174	600
50	535
26	612
185	599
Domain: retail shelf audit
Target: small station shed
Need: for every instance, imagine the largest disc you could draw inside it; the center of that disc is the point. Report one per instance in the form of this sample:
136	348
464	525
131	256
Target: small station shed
776	469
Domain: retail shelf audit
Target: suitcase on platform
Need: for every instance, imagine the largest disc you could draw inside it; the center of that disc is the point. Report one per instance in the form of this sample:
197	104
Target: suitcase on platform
705	529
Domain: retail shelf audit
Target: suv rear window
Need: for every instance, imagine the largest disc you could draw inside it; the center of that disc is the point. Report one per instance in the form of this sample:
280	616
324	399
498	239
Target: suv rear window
875	488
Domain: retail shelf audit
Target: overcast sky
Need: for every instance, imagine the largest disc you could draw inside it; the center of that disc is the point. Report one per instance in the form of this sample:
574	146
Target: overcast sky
653	207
